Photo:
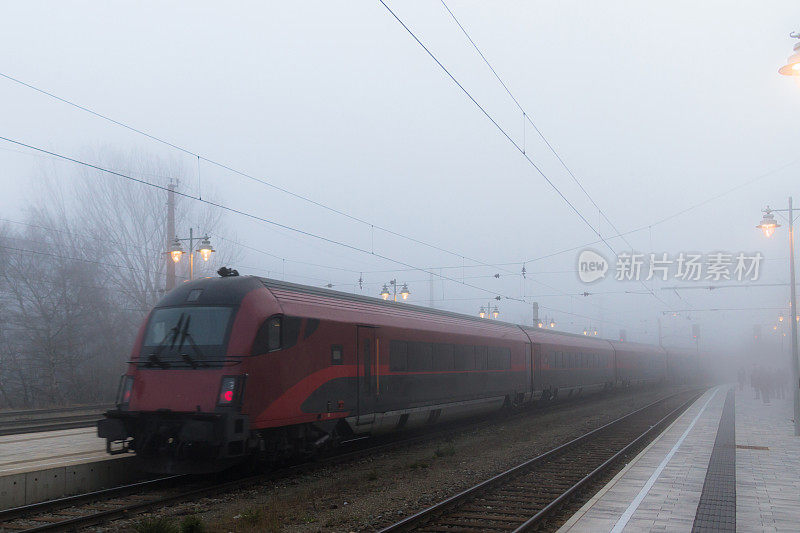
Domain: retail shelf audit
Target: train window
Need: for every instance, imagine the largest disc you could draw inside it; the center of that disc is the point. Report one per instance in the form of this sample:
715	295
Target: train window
556	359
464	358
268	337
443	357
481	356
398	356
499	358
336	354
420	356
194	295
274	335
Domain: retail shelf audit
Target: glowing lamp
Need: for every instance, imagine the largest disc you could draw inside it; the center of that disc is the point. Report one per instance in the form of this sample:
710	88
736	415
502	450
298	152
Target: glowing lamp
495	313
176	250
405	292
540	324
780	318
585	332
768	223
205	249
482	313
792	66
552	323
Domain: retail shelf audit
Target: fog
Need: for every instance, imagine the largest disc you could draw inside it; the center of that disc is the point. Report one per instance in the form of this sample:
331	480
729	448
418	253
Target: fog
673	119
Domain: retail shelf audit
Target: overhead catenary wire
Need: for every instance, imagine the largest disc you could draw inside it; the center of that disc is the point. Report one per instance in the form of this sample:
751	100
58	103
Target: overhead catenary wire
527	117
254	217
241	173
497	126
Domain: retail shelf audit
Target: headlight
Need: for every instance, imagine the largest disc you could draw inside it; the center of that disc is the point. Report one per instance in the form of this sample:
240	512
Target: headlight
125	390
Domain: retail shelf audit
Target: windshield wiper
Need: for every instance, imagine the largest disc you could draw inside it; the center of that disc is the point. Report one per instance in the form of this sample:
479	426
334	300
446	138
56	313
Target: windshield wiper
184	336
153	357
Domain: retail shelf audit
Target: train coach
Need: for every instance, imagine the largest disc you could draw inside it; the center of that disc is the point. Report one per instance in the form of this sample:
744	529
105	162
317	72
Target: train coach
230	368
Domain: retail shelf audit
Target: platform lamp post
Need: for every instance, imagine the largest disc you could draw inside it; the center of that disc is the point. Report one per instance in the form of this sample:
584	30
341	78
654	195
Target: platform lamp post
404	292
488	310
203	248
547	322
792	66
768	225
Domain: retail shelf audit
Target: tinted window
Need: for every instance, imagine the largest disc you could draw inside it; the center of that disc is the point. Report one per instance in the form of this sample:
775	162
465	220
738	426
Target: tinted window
207	326
274	333
499	358
481	356
420	356
464	357
443	357
398	356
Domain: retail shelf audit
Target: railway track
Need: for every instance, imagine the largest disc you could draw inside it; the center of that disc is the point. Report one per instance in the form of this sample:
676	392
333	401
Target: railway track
85	510
38	420
529	496
93	508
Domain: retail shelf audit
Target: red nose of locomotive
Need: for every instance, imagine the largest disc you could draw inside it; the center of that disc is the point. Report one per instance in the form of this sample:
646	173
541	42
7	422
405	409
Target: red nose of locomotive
180	405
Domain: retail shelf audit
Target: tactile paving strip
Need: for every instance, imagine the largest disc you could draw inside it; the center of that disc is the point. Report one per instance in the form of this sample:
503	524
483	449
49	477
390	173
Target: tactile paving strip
717	508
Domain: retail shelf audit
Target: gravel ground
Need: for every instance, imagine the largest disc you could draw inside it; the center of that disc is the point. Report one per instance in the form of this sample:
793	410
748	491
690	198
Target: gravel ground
373	492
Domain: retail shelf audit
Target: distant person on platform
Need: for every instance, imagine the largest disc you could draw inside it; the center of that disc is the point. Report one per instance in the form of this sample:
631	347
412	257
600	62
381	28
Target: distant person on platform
766	381
755	381
780	385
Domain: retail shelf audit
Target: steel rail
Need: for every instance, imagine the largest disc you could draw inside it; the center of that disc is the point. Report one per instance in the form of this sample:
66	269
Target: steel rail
425	516
372	447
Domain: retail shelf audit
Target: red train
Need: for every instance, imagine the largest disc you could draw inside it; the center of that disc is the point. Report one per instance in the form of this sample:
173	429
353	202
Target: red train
231	368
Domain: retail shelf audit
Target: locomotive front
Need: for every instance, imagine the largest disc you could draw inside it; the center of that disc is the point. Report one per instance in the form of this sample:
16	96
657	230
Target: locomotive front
179	406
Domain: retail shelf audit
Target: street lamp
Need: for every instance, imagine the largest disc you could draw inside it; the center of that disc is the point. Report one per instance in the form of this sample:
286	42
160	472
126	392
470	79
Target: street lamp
488	310
547	322
203	248
792	66
404	292
768	225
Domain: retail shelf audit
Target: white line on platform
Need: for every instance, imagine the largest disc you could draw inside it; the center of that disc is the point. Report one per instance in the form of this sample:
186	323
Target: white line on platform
626	516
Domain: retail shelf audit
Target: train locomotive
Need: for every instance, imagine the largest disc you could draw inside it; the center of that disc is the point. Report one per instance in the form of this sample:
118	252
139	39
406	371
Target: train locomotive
239	368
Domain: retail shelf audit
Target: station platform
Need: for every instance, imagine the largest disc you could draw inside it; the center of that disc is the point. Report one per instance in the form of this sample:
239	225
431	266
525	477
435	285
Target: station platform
729	462
41	466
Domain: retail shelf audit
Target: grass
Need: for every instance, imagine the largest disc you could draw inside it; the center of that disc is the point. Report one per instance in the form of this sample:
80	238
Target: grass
156	525
193	524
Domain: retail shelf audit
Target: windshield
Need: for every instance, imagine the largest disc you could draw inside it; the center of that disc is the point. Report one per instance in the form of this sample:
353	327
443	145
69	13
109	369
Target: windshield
186	336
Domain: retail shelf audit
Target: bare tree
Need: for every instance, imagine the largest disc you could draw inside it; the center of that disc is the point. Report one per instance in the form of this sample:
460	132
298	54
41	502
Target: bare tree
81	276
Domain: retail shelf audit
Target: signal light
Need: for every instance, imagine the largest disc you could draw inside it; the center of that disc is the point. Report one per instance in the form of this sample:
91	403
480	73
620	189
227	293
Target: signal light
229	390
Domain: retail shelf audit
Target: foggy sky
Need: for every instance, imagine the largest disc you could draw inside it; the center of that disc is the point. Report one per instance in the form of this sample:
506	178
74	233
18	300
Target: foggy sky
654	107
